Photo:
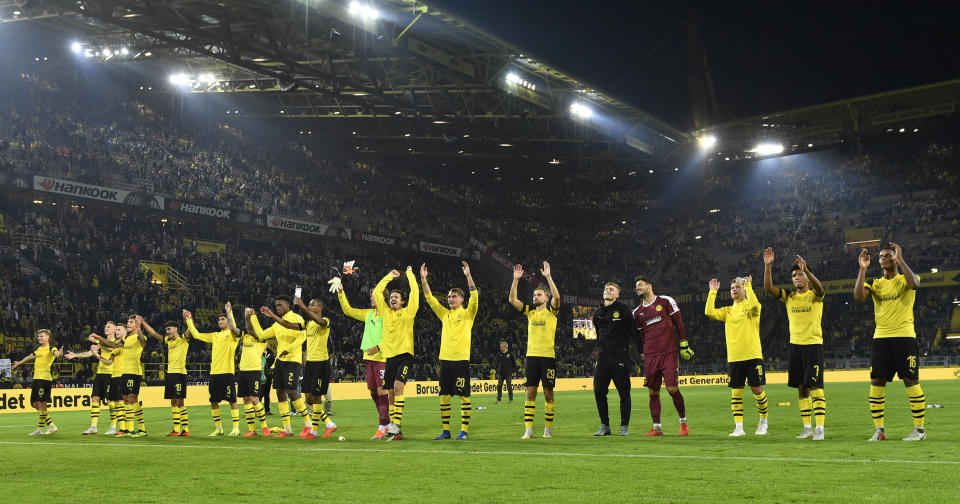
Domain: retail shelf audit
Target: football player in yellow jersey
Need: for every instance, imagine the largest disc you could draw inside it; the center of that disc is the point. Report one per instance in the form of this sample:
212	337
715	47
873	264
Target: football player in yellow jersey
804	312
894	350
541	364
112	357
175	376
741	327
222	385
132	346
42	380
454	349
101	386
316	369
249	381
289	330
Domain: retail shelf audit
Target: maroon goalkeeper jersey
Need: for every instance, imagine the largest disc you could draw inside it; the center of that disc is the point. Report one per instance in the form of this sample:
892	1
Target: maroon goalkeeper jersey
655	322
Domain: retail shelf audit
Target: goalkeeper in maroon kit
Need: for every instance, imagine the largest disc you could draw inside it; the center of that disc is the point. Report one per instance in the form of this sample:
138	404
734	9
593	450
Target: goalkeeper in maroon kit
656	317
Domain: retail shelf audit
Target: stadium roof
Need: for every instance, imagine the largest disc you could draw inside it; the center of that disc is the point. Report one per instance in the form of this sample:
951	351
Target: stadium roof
396	77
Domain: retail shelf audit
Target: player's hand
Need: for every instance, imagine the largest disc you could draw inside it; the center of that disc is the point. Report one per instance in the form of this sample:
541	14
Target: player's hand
374	350
187	315
714	284
545	270
92	338
249	312
394	273
266	311
864	259
58	352
409	269
685	351
14	365
227	307
517	272
768	256
423	271
94	348
336	285
898	251
802	264
299	302
69	355
139	320
465	267
748	278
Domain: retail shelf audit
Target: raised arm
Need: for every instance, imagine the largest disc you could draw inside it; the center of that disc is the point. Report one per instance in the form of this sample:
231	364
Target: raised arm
322	322
95	350
413	305
382	286
473	302
753	304
815	284
354	313
517	275
192	329
555	300
279	320
104	342
149	330
860	291
432	302
768	258
22	361
710	309
231	323
913	281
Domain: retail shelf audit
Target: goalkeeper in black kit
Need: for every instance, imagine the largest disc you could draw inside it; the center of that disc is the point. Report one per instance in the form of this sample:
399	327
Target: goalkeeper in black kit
615	329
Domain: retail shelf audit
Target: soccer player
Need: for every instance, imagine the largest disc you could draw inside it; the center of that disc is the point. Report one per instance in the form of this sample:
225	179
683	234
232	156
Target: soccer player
506	363
615	329
744	355
175	378
44	355
457	326
894	349
101	386
373	359
804	313
397	343
316	371
656	317
288	329
541	366
132	346
251	378
223	385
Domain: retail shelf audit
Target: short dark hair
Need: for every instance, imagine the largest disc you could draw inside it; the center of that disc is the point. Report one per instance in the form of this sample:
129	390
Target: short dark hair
643	278
795	268
318	301
459	292
398	291
282	297
171	323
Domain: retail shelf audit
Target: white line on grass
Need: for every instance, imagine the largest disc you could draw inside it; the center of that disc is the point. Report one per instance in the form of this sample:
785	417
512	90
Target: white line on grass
477	452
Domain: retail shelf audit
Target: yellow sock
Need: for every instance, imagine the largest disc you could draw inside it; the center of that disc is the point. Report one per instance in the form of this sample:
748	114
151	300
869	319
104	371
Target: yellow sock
806	410
761	399
548	409
736	404
261	415
466	407
445	412
249	416
284	408
215	413
176	418
42	420
235	416
94	414
398	409
184	424
529	409
302	410
319	415
122	416
138	413
113	414
918	405
819	406
877	402
130	418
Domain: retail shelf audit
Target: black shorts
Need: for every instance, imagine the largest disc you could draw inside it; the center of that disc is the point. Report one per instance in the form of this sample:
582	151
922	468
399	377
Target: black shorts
316	377
115	392
248	384
541	370
40	391
455	378
131	384
749	371
175	386
286	375
889	356
397	369
222	387
101	386
806	366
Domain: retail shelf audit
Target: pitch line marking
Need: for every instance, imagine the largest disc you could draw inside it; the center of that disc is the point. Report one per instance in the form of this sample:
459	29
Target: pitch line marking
512	453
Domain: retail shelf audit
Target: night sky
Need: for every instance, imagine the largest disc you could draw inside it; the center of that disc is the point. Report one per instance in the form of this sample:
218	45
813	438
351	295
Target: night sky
763	58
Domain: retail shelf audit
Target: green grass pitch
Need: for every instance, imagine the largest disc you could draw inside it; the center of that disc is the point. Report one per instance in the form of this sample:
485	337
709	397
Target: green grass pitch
495	465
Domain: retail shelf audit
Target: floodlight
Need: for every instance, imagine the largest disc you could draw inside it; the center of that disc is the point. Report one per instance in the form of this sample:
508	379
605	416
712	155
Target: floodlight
768	149
580	110
76	47
124	51
179	79
707	142
354	7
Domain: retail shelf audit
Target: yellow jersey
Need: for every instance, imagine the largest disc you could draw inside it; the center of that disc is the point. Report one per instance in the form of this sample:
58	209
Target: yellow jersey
103	368
317	336
177	355
288	340
892	307
805	314
117	356
224	347
397	324
252	352
741	323
457	327
132	352
42	362
541	330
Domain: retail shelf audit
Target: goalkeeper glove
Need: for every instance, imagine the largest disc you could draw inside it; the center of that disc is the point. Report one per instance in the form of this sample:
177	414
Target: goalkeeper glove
685	350
335	284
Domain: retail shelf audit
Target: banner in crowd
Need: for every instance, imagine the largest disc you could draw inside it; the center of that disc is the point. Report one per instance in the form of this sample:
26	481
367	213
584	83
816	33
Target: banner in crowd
372	238
302	226
238	216
5	365
503	261
78	399
95	192
436	248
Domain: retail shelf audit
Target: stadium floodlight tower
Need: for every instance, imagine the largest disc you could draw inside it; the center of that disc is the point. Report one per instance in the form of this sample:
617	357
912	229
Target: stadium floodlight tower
768	149
707	142
581	111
